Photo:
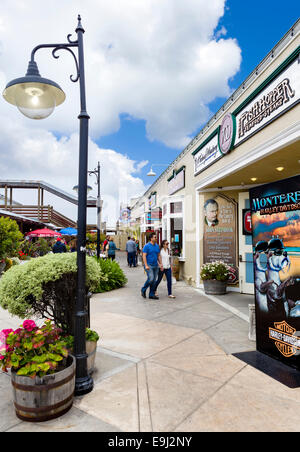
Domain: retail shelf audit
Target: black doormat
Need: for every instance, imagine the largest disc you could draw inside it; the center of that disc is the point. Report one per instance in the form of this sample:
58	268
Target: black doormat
275	369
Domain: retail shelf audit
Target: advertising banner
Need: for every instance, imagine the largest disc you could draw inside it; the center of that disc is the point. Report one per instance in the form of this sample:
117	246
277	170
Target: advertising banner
276	240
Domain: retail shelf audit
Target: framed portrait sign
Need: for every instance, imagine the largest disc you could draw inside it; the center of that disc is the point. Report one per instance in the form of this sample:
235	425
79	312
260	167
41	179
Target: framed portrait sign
220	233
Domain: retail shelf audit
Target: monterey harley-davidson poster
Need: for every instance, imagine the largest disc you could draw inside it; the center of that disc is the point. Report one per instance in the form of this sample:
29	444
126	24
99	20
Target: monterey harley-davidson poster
276	240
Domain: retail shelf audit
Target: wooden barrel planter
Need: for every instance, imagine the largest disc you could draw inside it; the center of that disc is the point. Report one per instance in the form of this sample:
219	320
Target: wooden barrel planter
91	348
214	287
42	399
175	268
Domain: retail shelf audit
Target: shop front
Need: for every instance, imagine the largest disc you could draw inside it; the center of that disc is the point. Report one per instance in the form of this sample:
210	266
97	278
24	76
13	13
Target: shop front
256	142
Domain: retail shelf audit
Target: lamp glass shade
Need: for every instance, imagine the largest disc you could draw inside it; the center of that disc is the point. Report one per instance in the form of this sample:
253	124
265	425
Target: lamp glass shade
88	188
36	99
151	173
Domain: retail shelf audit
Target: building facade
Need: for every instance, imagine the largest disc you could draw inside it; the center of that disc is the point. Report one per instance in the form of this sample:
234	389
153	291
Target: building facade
200	204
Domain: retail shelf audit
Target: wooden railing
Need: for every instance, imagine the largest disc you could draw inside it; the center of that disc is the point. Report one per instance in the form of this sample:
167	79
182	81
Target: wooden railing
45	214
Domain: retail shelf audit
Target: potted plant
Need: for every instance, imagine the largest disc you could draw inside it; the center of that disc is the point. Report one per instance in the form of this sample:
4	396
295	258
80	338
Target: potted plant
42	371
91	338
215	276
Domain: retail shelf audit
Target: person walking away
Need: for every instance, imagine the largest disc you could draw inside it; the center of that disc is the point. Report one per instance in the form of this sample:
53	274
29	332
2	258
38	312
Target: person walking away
131	251
138	252
128	239
105	243
135	252
111	249
59	247
167	269
152	263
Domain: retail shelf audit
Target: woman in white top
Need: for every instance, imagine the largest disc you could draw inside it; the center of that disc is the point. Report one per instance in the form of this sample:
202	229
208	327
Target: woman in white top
167	270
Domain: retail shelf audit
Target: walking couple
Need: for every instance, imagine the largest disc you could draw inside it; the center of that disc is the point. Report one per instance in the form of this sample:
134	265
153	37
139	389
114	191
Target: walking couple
156	263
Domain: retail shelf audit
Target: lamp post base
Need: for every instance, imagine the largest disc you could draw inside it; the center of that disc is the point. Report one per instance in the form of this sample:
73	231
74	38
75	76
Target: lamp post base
83	385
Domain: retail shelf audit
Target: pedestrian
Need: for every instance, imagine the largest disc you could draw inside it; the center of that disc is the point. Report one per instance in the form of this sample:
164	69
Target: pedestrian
131	252
152	263
128	239
111	249
167	269
73	245
59	246
105	244
138	252
135	253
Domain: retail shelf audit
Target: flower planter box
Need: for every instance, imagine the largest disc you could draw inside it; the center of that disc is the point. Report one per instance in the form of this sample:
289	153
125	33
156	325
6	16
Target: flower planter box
215	287
42	399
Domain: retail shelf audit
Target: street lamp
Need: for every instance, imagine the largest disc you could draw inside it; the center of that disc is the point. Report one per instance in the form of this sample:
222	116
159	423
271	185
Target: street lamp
36	98
88	189
151	172
96	172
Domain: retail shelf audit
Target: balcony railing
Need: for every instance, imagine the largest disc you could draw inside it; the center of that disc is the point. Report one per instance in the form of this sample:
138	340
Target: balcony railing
44	214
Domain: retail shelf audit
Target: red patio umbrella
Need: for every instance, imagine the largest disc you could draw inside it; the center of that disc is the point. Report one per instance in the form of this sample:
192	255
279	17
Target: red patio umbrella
43	233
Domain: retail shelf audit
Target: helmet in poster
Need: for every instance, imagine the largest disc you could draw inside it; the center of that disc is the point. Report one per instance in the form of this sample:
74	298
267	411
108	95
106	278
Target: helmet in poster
276	244
261	246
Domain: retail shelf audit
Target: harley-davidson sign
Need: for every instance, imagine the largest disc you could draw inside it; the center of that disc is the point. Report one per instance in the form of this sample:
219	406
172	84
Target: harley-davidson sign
286	340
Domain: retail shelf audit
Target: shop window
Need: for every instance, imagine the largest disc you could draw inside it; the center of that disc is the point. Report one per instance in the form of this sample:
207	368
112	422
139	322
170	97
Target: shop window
176	235
176	207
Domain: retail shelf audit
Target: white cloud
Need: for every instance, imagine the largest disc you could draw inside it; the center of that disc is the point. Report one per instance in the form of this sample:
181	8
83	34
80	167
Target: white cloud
152	59
157	60
39	155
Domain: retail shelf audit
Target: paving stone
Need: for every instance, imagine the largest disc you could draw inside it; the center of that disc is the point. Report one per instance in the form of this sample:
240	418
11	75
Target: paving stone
73	421
232	335
241	409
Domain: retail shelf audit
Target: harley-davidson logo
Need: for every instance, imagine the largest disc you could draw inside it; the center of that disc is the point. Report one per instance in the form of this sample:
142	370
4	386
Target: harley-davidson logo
285	339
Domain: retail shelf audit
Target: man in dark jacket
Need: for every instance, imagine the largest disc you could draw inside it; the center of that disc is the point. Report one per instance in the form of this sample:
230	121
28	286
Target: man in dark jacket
59	247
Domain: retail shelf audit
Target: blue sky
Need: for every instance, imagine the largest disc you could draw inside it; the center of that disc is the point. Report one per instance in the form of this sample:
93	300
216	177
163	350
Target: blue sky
257	26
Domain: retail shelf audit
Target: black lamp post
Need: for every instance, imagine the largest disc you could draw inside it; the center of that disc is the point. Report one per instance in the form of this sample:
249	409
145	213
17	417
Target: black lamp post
36	98
96	172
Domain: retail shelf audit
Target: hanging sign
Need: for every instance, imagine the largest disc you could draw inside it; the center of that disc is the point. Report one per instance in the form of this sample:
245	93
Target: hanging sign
276	240
176	182
247	223
206	155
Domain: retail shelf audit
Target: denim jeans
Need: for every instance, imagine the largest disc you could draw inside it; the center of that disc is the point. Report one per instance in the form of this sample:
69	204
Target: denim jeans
151	280
168	273
131	259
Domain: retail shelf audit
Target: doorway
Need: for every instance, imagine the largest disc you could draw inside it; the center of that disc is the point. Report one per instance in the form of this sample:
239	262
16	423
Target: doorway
246	273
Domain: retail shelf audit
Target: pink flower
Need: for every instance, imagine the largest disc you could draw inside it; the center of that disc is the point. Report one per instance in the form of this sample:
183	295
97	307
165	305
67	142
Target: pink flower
7	332
29	325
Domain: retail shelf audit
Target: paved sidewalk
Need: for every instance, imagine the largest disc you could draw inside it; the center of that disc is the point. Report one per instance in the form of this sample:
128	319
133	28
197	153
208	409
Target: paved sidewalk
180	365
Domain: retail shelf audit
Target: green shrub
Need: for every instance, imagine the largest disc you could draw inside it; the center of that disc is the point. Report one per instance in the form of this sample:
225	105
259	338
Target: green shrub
115	277
47	287
10	237
90	335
